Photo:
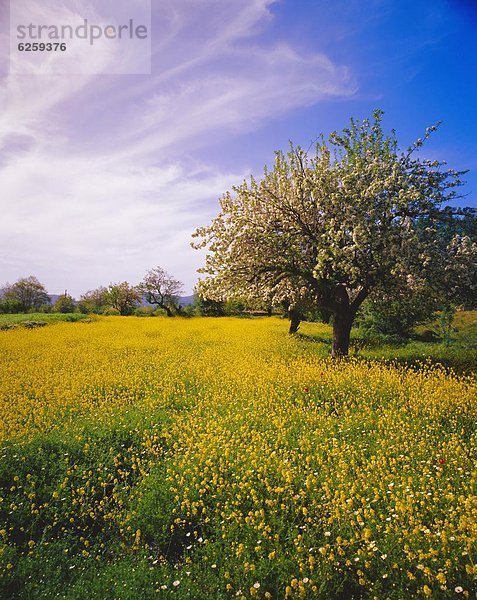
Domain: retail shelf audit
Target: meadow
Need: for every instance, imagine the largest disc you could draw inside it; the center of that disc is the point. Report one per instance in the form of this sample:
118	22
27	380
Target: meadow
31	320
222	458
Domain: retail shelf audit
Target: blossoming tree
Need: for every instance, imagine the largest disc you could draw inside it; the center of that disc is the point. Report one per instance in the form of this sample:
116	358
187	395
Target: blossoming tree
333	228
159	288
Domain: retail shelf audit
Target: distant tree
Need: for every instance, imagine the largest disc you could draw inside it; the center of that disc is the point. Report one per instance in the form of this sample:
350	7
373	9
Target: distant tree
208	308
397	316
65	304
27	294
9	306
461	221
109	311
456	236
338	227
235	306
123	297
161	289
94	301
397	312
461	272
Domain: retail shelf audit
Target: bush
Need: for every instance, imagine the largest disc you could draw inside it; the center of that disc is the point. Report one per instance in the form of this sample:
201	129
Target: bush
46	309
9	307
209	308
234	307
111	312
83	308
445	325
396	318
189	311
64	304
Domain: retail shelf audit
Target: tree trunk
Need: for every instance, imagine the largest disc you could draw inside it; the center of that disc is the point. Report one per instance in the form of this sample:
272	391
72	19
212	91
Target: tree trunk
294	320
168	311
341	333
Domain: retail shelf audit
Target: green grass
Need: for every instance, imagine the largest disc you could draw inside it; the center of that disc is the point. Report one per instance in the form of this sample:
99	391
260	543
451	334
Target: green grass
48	318
460	354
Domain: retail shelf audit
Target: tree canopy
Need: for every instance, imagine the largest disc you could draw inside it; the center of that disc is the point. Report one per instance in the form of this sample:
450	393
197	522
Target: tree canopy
65	304
334	227
123	297
159	288
27	294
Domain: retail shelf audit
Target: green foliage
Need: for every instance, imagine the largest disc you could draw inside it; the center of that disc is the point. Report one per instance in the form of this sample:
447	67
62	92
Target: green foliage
190	310
396	317
65	304
27	293
94	301
110	311
82	477
123	297
19	319
426	345
45	309
9	306
209	308
314	314
234	307
445	326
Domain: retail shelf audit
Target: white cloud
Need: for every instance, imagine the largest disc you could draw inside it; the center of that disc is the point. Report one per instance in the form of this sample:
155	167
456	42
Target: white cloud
75	217
91	199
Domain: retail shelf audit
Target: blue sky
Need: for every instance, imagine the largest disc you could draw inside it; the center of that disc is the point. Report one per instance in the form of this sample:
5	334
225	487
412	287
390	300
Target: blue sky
105	176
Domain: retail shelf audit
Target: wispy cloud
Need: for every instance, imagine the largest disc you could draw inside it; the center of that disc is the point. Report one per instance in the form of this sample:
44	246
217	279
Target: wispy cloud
96	185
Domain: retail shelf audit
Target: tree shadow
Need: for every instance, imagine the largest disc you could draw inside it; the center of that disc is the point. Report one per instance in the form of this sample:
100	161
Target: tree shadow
313	338
420	352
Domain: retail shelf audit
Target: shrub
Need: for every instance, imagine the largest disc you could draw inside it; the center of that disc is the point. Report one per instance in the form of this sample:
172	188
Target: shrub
46	309
396	318
234	307
445	325
209	308
111	312
64	304
9	306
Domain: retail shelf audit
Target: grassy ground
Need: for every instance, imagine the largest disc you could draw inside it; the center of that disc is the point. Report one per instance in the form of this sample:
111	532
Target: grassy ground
459	354
218	458
19	319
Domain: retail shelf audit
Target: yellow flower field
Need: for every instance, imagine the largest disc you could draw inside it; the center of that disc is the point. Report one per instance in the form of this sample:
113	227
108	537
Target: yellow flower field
217	458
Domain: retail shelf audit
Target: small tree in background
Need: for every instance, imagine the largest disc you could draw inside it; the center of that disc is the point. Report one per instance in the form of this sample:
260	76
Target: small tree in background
159	288
94	301
9	305
65	304
26	294
397	312
396	317
208	308
123	297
